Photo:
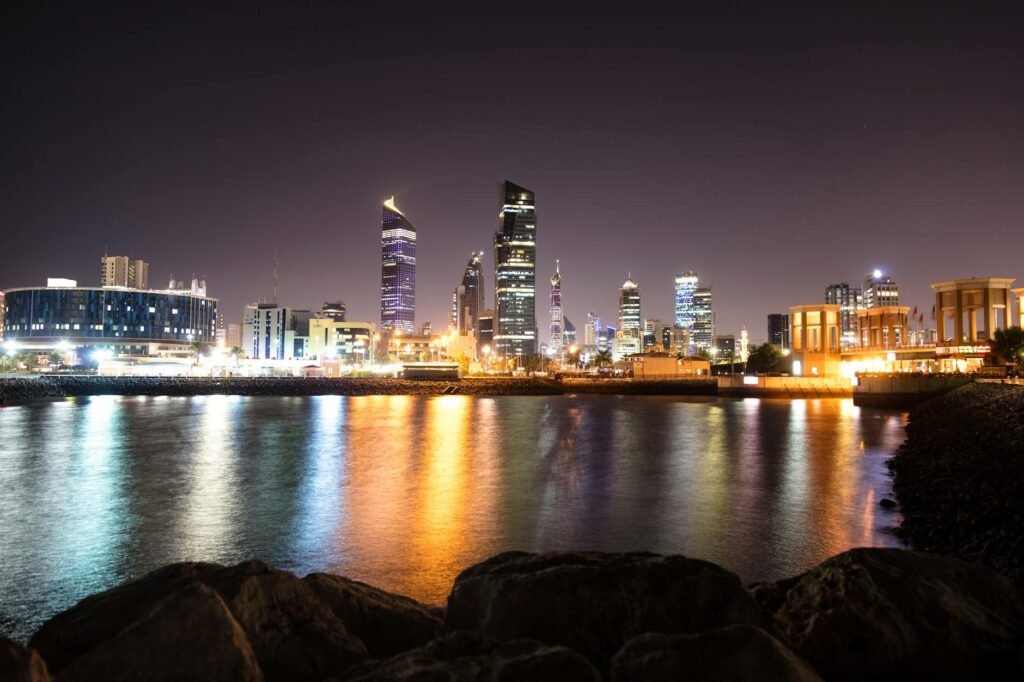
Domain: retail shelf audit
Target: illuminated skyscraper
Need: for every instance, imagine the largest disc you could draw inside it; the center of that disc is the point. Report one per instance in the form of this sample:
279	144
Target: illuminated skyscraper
591	333
468	298
778	330
630	323
515	278
686	285
703	329
849	300
557	322
880	290
398	271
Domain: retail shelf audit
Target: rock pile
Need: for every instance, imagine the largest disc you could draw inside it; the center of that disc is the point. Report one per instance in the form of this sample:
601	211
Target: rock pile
866	614
960	476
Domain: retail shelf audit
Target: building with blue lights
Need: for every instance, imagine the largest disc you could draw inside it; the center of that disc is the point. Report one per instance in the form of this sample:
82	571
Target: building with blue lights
398	272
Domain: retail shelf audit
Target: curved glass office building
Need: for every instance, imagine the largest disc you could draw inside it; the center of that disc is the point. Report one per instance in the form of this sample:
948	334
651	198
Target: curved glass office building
133	321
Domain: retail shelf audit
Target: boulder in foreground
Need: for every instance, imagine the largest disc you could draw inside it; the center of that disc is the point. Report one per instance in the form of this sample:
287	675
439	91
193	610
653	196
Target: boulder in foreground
889	614
18	664
594	602
466	657
737	653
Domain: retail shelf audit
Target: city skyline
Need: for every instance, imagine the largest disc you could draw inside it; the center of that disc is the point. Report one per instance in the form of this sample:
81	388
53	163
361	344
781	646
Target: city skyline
772	136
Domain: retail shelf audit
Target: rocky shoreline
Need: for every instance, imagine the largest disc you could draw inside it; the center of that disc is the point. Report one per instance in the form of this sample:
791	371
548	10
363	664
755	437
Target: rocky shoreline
959	476
42	387
879	614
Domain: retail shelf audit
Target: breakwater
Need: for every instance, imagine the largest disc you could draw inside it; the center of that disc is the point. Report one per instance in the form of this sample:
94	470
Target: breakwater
865	614
959	476
21	389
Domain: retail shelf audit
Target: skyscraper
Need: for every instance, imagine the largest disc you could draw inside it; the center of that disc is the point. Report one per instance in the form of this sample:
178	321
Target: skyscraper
630	323
557	322
686	285
778	330
398	271
880	290
591	333
703	329
468	298
849	300
515	277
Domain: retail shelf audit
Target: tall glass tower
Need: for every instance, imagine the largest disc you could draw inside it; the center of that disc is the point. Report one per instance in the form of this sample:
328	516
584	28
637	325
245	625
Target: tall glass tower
398	272
630	324
515	278
468	297
557	326
686	286
703	331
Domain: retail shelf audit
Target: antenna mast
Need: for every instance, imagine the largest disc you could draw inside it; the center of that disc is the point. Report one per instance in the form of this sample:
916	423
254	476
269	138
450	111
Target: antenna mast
275	274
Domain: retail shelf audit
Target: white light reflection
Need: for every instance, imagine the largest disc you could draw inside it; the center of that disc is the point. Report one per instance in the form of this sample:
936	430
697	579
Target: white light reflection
208	523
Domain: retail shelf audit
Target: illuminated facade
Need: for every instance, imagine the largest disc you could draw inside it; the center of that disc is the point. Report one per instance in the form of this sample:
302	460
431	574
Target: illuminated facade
703	330
129	321
1019	293
398	271
685	288
557	320
630	321
883	328
815	333
850	301
880	290
515	281
346	342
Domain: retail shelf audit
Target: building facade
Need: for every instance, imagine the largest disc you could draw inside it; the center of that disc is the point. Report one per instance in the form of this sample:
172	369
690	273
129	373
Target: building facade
778	330
685	287
850	301
398	271
350	343
630	320
816	339
468	298
880	290
703	330
127	321
122	271
556	322
515	276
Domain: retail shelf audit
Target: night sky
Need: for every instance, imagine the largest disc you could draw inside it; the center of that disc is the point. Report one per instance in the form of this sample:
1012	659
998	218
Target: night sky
774	151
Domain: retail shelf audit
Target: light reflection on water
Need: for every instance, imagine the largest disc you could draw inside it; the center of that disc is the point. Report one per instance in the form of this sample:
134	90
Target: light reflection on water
403	492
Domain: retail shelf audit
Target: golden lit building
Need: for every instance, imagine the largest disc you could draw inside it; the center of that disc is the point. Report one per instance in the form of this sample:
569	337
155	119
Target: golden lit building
662	365
815	335
883	328
1019	293
967	314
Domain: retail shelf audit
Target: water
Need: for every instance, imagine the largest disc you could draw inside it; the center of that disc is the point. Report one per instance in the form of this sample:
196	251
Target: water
403	492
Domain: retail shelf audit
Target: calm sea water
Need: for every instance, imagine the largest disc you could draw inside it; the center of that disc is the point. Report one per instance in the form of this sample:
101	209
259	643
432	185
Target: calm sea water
403	492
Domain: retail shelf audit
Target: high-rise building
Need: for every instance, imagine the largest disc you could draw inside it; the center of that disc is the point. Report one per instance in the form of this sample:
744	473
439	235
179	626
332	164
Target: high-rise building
557	321
880	290
398	271
486	337
591	333
468	297
275	332
122	271
703	329
778	330
570	332
849	300
630	322
515	277
744	344
724	348
686	286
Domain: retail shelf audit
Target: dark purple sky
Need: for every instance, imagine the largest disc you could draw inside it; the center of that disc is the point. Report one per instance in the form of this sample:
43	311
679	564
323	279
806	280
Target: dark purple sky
773	151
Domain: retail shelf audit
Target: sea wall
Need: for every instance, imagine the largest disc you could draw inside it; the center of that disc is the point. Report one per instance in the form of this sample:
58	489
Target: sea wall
784	387
866	614
904	390
959	475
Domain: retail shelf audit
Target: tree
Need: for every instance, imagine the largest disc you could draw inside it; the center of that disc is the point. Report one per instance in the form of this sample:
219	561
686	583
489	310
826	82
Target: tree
1008	346
55	358
200	348
602	358
763	359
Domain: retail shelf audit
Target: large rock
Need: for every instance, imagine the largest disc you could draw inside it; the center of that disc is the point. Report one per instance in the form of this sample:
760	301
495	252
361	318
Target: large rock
737	653
294	635
388	624
888	614
190	635
99	617
593	602
18	664
467	657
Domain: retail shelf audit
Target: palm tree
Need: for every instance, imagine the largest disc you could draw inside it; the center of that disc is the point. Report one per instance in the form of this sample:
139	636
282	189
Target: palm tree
602	358
199	348
1008	345
55	358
